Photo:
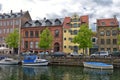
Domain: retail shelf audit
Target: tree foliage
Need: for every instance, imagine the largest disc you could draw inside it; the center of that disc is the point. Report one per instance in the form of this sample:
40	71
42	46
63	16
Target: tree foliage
45	39
12	39
83	38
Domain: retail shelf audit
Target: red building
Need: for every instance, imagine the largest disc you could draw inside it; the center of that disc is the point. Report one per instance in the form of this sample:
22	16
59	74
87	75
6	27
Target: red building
30	34
10	21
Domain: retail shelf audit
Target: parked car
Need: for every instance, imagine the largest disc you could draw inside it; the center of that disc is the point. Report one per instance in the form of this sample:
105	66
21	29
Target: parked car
76	54
115	54
100	54
58	54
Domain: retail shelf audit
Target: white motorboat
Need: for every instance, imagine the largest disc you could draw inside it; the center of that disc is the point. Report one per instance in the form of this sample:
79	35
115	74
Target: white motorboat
34	60
9	61
98	65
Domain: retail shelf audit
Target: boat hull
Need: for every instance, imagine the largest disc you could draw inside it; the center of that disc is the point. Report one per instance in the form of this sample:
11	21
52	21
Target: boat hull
8	63
97	65
36	64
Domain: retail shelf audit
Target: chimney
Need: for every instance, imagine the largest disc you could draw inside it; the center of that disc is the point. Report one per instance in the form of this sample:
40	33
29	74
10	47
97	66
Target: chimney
114	16
11	12
44	18
21	11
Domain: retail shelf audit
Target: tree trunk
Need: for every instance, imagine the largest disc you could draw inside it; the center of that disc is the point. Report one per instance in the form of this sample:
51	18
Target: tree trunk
83	51
15	50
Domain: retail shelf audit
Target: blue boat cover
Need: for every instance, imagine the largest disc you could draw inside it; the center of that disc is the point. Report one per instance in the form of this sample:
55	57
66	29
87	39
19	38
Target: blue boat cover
29	58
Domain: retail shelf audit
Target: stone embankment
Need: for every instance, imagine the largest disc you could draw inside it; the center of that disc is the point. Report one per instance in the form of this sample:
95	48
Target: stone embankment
77	61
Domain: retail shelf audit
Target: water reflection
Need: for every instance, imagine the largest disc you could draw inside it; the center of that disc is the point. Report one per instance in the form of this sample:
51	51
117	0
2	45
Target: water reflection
37	72
98	74
13	72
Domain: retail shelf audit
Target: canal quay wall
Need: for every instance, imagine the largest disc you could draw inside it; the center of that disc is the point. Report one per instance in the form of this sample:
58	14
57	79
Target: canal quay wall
76	61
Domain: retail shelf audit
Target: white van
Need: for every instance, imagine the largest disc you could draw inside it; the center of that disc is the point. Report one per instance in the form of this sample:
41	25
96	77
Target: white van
100	54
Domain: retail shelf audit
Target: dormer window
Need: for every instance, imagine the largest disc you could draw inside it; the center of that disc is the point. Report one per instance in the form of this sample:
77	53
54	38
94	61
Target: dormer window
48	23
13	15
57	22
103	23
111	23
37	23
27	25
1	16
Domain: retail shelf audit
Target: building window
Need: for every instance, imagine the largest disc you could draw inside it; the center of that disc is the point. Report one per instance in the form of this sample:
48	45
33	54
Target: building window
57	22
64	31
107	33
31	44
48	23
64	46
27	25
1	23
26	44
114	49
102	49
103	23
108	49
75	20
31	33
70	31
102	33
0	31
56	33
75	32
7	23
36	34
11	23
75	49
102	41
93	39
114	41
17	22
75	25
108	41
1	17
36	44
4	23
64	38
11	30
111	23
70	39
26	33
114	32
8	30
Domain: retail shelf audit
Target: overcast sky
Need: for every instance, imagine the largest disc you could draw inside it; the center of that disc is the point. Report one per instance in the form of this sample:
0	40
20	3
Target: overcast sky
60	8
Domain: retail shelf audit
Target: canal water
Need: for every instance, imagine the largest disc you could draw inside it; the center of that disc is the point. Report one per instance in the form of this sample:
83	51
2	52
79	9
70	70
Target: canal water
8	72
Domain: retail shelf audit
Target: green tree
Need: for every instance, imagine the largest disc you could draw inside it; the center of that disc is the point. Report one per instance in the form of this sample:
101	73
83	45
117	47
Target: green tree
12	40
45	39
83	38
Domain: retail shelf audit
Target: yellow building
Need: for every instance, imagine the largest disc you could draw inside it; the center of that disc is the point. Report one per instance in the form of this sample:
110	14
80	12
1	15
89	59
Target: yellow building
71	27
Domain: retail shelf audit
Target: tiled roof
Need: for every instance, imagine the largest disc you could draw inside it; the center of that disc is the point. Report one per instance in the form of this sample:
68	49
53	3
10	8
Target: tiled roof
84	19
107	22
12	15
43	22
67	22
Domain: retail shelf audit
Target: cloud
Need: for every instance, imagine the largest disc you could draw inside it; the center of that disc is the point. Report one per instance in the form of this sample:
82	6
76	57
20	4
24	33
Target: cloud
103	2
96	9
0	7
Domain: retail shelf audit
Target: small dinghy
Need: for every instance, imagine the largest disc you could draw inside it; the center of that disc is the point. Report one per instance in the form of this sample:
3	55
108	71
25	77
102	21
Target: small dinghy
97	65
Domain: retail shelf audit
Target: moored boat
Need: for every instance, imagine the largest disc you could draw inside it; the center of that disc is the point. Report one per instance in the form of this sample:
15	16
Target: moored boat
34	60
9	61
97	65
